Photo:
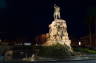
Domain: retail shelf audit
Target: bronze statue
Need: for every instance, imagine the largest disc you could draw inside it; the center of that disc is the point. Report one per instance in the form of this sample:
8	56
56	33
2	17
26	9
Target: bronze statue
56	12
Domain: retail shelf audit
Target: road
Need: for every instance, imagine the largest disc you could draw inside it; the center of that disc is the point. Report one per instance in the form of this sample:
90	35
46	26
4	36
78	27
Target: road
76	59
83	61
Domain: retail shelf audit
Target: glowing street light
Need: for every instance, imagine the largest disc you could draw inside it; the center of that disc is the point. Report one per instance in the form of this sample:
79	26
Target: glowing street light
79	43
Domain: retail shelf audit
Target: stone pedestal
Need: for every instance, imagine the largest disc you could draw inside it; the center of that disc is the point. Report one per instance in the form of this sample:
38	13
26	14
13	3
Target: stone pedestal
58	34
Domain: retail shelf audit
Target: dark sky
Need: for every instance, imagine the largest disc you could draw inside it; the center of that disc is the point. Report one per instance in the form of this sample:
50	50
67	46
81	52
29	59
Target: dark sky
29	18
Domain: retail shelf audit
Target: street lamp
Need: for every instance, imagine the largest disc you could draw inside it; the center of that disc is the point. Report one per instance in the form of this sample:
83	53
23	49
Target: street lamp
79	43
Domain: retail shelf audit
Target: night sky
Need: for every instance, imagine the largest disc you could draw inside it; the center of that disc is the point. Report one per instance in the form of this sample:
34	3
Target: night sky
29	18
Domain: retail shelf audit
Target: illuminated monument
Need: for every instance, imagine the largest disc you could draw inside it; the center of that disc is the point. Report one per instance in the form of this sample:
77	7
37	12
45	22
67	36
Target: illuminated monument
58	31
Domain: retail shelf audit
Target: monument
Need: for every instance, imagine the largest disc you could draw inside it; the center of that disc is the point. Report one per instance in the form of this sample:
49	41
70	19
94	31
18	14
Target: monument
58	31
56	11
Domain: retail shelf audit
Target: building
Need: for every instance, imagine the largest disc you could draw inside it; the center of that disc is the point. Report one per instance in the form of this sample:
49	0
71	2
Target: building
86	42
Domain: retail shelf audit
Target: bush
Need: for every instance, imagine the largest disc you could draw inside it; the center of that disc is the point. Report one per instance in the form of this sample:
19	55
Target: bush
55	51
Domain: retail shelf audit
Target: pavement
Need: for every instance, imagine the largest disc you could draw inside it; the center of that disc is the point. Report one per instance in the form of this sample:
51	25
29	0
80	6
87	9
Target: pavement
81	61
73	59
76	61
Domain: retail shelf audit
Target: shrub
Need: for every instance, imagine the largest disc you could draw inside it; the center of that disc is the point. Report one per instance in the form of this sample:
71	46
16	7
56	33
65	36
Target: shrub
55	51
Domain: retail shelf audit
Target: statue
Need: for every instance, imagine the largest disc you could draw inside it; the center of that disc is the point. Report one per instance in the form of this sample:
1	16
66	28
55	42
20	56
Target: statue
56	12
58	32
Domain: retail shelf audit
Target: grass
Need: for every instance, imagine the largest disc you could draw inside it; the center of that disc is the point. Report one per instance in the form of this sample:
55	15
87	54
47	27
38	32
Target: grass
85	50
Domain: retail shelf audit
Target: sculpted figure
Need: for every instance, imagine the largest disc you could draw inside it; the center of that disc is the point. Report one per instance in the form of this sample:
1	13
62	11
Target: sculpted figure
56	12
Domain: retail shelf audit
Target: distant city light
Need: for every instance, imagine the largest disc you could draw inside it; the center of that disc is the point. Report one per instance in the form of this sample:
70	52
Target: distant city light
79	43
27	44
